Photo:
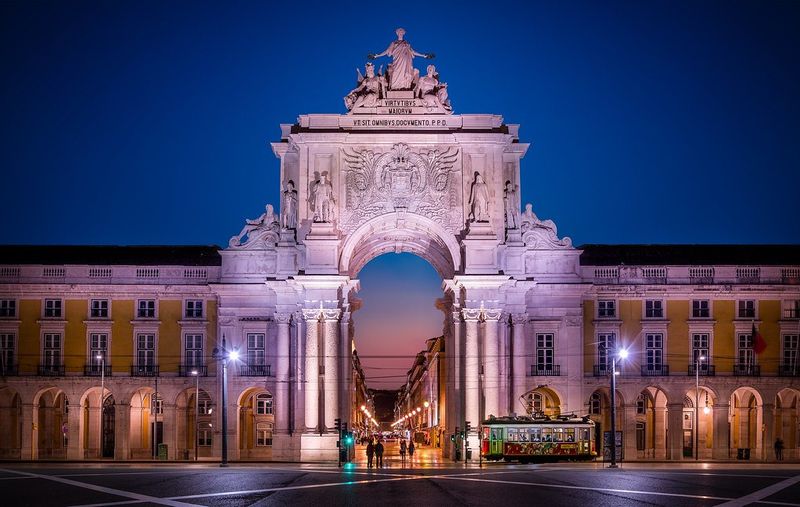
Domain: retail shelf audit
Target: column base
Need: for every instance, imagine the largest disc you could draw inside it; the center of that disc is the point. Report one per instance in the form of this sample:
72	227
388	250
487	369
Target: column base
315	447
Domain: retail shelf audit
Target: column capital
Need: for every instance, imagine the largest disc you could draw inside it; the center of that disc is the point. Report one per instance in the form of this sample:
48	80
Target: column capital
471	314
492	314
283	318
519	318
331	314
311	314
456	315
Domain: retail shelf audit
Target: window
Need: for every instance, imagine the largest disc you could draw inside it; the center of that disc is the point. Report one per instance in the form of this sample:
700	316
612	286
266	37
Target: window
256	349
145	350
701	309
204	406
791	309
156	404
8	347
654	309
641	404
744	354
700	349
594	404
654	350
640	436
194	309
51	352
99	309
263	434
204	434
544	351
789	354
98	346
747	309
52	308
264	404
606	308
146	309
193	349
606	344
8	308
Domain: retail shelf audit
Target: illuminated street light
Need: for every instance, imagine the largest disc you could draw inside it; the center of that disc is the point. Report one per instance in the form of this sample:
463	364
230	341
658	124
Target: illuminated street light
621	354
223	356
196	408
696	406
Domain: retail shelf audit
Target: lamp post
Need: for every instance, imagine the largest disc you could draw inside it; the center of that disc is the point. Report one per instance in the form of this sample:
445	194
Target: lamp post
622	354
224	355
697	406
196	374
102	359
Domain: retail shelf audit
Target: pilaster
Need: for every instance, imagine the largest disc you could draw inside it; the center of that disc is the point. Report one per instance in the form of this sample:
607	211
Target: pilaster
675	431
519	375
722	433
312	370
331	366
282	374
472	395
491	362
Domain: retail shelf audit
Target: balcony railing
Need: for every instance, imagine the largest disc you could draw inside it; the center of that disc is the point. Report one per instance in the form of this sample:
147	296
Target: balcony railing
144	370
789	370
747	370
545	370
255	370
601	370
706	370
96	370
655	370
51	370
185	370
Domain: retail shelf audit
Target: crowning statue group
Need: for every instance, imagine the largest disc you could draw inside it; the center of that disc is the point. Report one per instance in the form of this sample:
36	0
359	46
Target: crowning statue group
375	450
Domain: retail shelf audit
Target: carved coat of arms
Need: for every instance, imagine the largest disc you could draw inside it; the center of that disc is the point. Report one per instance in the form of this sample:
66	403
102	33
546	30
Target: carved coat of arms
401	178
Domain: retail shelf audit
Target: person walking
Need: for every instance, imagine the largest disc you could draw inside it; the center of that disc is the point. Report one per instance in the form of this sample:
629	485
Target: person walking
411	450
370	452
779	449
403	450
379	455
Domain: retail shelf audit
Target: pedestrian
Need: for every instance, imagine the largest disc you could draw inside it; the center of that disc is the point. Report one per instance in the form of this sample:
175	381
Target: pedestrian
779	449
411	449
379	454
403	450
370	452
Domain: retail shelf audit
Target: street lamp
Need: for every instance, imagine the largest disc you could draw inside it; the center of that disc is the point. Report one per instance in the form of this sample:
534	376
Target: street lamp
223	356
621	354
102	359
196	409
697	406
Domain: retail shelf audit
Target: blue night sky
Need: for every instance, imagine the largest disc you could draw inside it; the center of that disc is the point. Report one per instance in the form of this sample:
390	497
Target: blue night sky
650	122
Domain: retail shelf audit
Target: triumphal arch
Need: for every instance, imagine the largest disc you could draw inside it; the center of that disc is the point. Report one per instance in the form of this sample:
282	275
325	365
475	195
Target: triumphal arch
400	171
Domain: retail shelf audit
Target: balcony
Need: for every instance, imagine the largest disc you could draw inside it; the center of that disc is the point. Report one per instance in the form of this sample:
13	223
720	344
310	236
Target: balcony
788	370
95	370
545	370
144	370
655	370
255	370
601	370
185	370
746	370
706	370
51	370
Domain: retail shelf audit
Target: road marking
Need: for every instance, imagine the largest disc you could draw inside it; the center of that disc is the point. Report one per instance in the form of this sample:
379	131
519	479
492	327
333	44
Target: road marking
102	489
762	493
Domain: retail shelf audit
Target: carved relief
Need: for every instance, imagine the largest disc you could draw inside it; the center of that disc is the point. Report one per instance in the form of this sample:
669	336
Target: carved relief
257	234
381	183
541	234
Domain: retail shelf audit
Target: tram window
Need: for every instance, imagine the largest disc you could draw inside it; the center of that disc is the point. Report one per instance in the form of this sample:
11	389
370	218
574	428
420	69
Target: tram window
547	435
535	434
513	435
570	434
558	434
585	434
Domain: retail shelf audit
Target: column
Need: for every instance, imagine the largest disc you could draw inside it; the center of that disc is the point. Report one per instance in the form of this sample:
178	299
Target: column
491	363
518	364
282	374
122	421
345	369
675	431
472	395
629	432
170	425
722	430
30	442
312	370
75	445
660	433
331	366
768	421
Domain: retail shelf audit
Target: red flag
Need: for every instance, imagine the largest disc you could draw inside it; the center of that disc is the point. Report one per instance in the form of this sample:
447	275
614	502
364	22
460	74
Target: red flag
758	341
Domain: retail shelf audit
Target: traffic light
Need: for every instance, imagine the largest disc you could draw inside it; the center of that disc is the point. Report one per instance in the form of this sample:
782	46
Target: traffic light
337	424
467	428
348	439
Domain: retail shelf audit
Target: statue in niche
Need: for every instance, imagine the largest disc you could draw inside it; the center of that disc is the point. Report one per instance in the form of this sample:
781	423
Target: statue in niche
432	92
401	72
289	207
323	200
510	203
369	89
265	223
479	200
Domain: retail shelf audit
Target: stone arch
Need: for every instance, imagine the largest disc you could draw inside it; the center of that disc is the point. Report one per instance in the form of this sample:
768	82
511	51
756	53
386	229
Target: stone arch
543	400
91	416
401	232
50	416
747	419
195	418
787	421
10	423
698	417
650	422
256	422
142	421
